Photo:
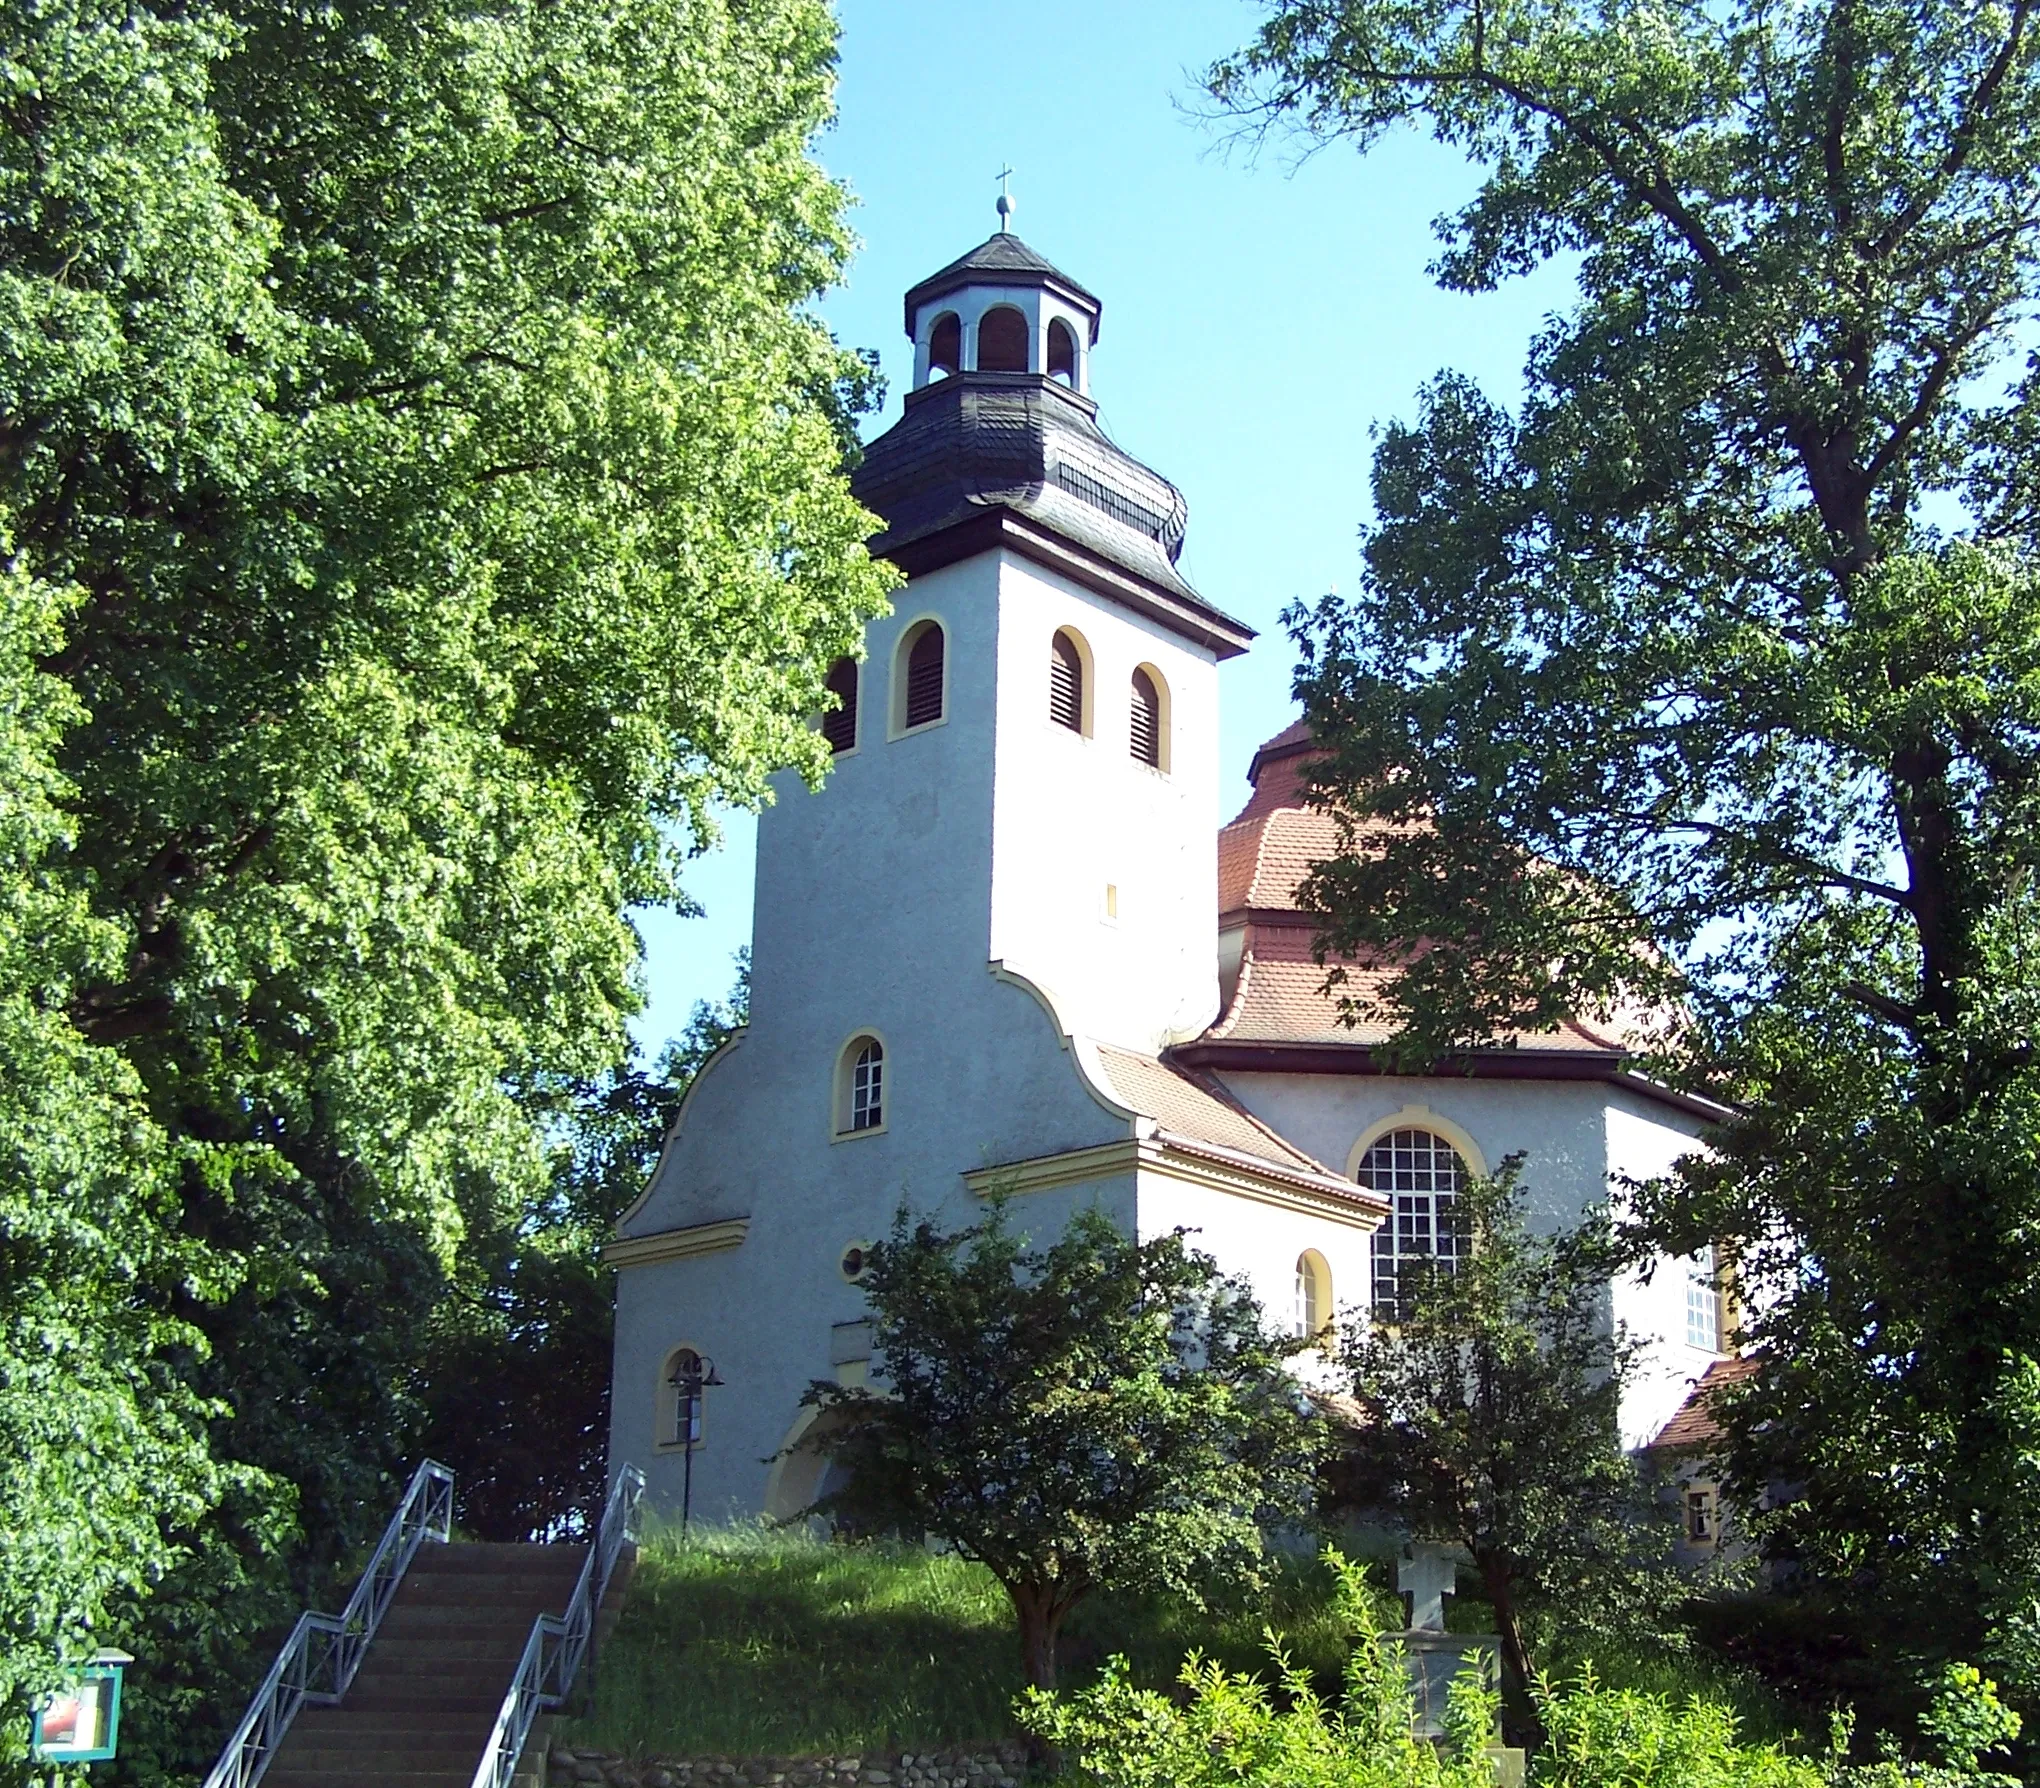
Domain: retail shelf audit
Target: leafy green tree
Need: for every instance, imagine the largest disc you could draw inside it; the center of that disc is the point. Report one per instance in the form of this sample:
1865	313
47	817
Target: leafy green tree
104	1447
1487	1404
1677	682
420	474
1100	1413
516	1381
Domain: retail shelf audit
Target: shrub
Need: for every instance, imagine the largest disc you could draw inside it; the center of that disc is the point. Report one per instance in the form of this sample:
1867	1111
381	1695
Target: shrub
1232	1731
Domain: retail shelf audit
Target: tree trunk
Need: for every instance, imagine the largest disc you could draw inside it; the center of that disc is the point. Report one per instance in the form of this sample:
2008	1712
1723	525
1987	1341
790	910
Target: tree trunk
1041	1618
1040	1608
1520	1724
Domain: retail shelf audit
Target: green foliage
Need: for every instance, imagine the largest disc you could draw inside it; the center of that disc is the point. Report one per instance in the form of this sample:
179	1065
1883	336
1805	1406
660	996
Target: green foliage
1669	692
1597	1737
103	1461
1100	1413
1488	1419
1229	1729
420	474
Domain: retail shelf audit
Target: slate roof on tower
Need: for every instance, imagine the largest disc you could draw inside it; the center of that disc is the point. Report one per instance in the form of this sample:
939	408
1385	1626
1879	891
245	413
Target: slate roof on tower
984	459
1002	259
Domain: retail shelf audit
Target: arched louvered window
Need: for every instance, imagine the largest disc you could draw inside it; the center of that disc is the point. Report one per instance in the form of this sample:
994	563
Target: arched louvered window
1145	732
1062	352
920	686
1002	340
1066	682
1420	1174
839	715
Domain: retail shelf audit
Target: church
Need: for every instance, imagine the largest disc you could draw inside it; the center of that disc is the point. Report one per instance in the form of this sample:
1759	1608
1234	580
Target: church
1010	946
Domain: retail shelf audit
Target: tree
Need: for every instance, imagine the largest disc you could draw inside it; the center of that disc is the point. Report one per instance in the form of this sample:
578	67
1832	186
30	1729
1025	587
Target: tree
1487	1405
516	1381
1102	1413
1708	675
422	474
104	1447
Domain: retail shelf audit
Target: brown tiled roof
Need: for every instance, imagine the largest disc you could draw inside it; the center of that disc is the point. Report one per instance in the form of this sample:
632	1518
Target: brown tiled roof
1281	999
1194	1107
1694	1426
1263	857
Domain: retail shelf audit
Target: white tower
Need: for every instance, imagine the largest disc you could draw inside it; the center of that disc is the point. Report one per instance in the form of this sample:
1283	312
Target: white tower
1050	803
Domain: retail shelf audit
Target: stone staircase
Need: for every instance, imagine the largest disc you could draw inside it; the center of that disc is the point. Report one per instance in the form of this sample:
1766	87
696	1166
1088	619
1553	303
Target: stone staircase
427	1696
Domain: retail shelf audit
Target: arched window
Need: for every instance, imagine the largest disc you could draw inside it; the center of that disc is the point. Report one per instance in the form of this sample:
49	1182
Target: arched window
918	680
1002	341
684	1383
945	346
1313	1314
1420	1174
1148	730
1066	682
860	1086
1703	1302
1062	352
839	718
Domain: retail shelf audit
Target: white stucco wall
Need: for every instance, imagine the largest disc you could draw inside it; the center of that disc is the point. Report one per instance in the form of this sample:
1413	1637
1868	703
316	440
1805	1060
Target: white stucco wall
1260	1243
1073	815
1579	1139
1652	1305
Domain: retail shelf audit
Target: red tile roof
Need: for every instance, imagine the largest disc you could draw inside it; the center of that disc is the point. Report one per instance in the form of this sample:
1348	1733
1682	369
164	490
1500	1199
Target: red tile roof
1263	857
1693	1426
1192	1107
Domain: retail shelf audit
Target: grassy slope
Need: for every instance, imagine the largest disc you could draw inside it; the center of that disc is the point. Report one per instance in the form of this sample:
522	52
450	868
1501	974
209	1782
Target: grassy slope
746	1643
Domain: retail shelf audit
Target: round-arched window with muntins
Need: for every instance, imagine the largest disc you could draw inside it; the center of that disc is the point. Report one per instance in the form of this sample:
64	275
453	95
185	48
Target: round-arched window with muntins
1065	682
860	1099
1313	1310
1062	352
684	1394
945	346
1002	341
1421	1176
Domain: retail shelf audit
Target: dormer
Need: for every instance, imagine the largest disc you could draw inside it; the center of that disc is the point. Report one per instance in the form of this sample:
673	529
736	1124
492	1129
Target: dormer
1002	309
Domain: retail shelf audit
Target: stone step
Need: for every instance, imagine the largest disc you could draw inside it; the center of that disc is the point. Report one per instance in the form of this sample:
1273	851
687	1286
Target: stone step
434	1679
454	1621
495	1555
421	1715
372	1754
349	1776
451	1648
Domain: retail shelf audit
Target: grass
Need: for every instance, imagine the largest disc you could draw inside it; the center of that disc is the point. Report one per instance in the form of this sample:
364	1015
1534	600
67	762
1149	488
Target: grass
745	1642
751	1643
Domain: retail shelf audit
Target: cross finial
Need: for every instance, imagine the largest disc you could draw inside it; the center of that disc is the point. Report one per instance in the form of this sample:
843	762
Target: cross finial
1005	198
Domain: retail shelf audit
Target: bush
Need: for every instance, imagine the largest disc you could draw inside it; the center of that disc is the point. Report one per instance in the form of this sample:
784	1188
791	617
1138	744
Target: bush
1231	1731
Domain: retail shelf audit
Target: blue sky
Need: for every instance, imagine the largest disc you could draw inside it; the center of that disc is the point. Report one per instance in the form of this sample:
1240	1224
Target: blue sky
1262	314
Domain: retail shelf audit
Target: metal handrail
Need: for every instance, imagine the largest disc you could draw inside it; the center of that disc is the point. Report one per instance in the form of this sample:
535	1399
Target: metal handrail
553	1653
324	1651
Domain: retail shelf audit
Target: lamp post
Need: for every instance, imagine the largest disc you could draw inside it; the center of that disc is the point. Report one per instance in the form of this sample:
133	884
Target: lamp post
693	1373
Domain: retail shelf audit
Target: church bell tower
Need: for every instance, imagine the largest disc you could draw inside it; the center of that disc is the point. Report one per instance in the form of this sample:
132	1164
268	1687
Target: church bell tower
1026	769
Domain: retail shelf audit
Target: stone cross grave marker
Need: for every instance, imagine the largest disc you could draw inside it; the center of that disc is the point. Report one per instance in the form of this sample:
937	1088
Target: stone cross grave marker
1427	1575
